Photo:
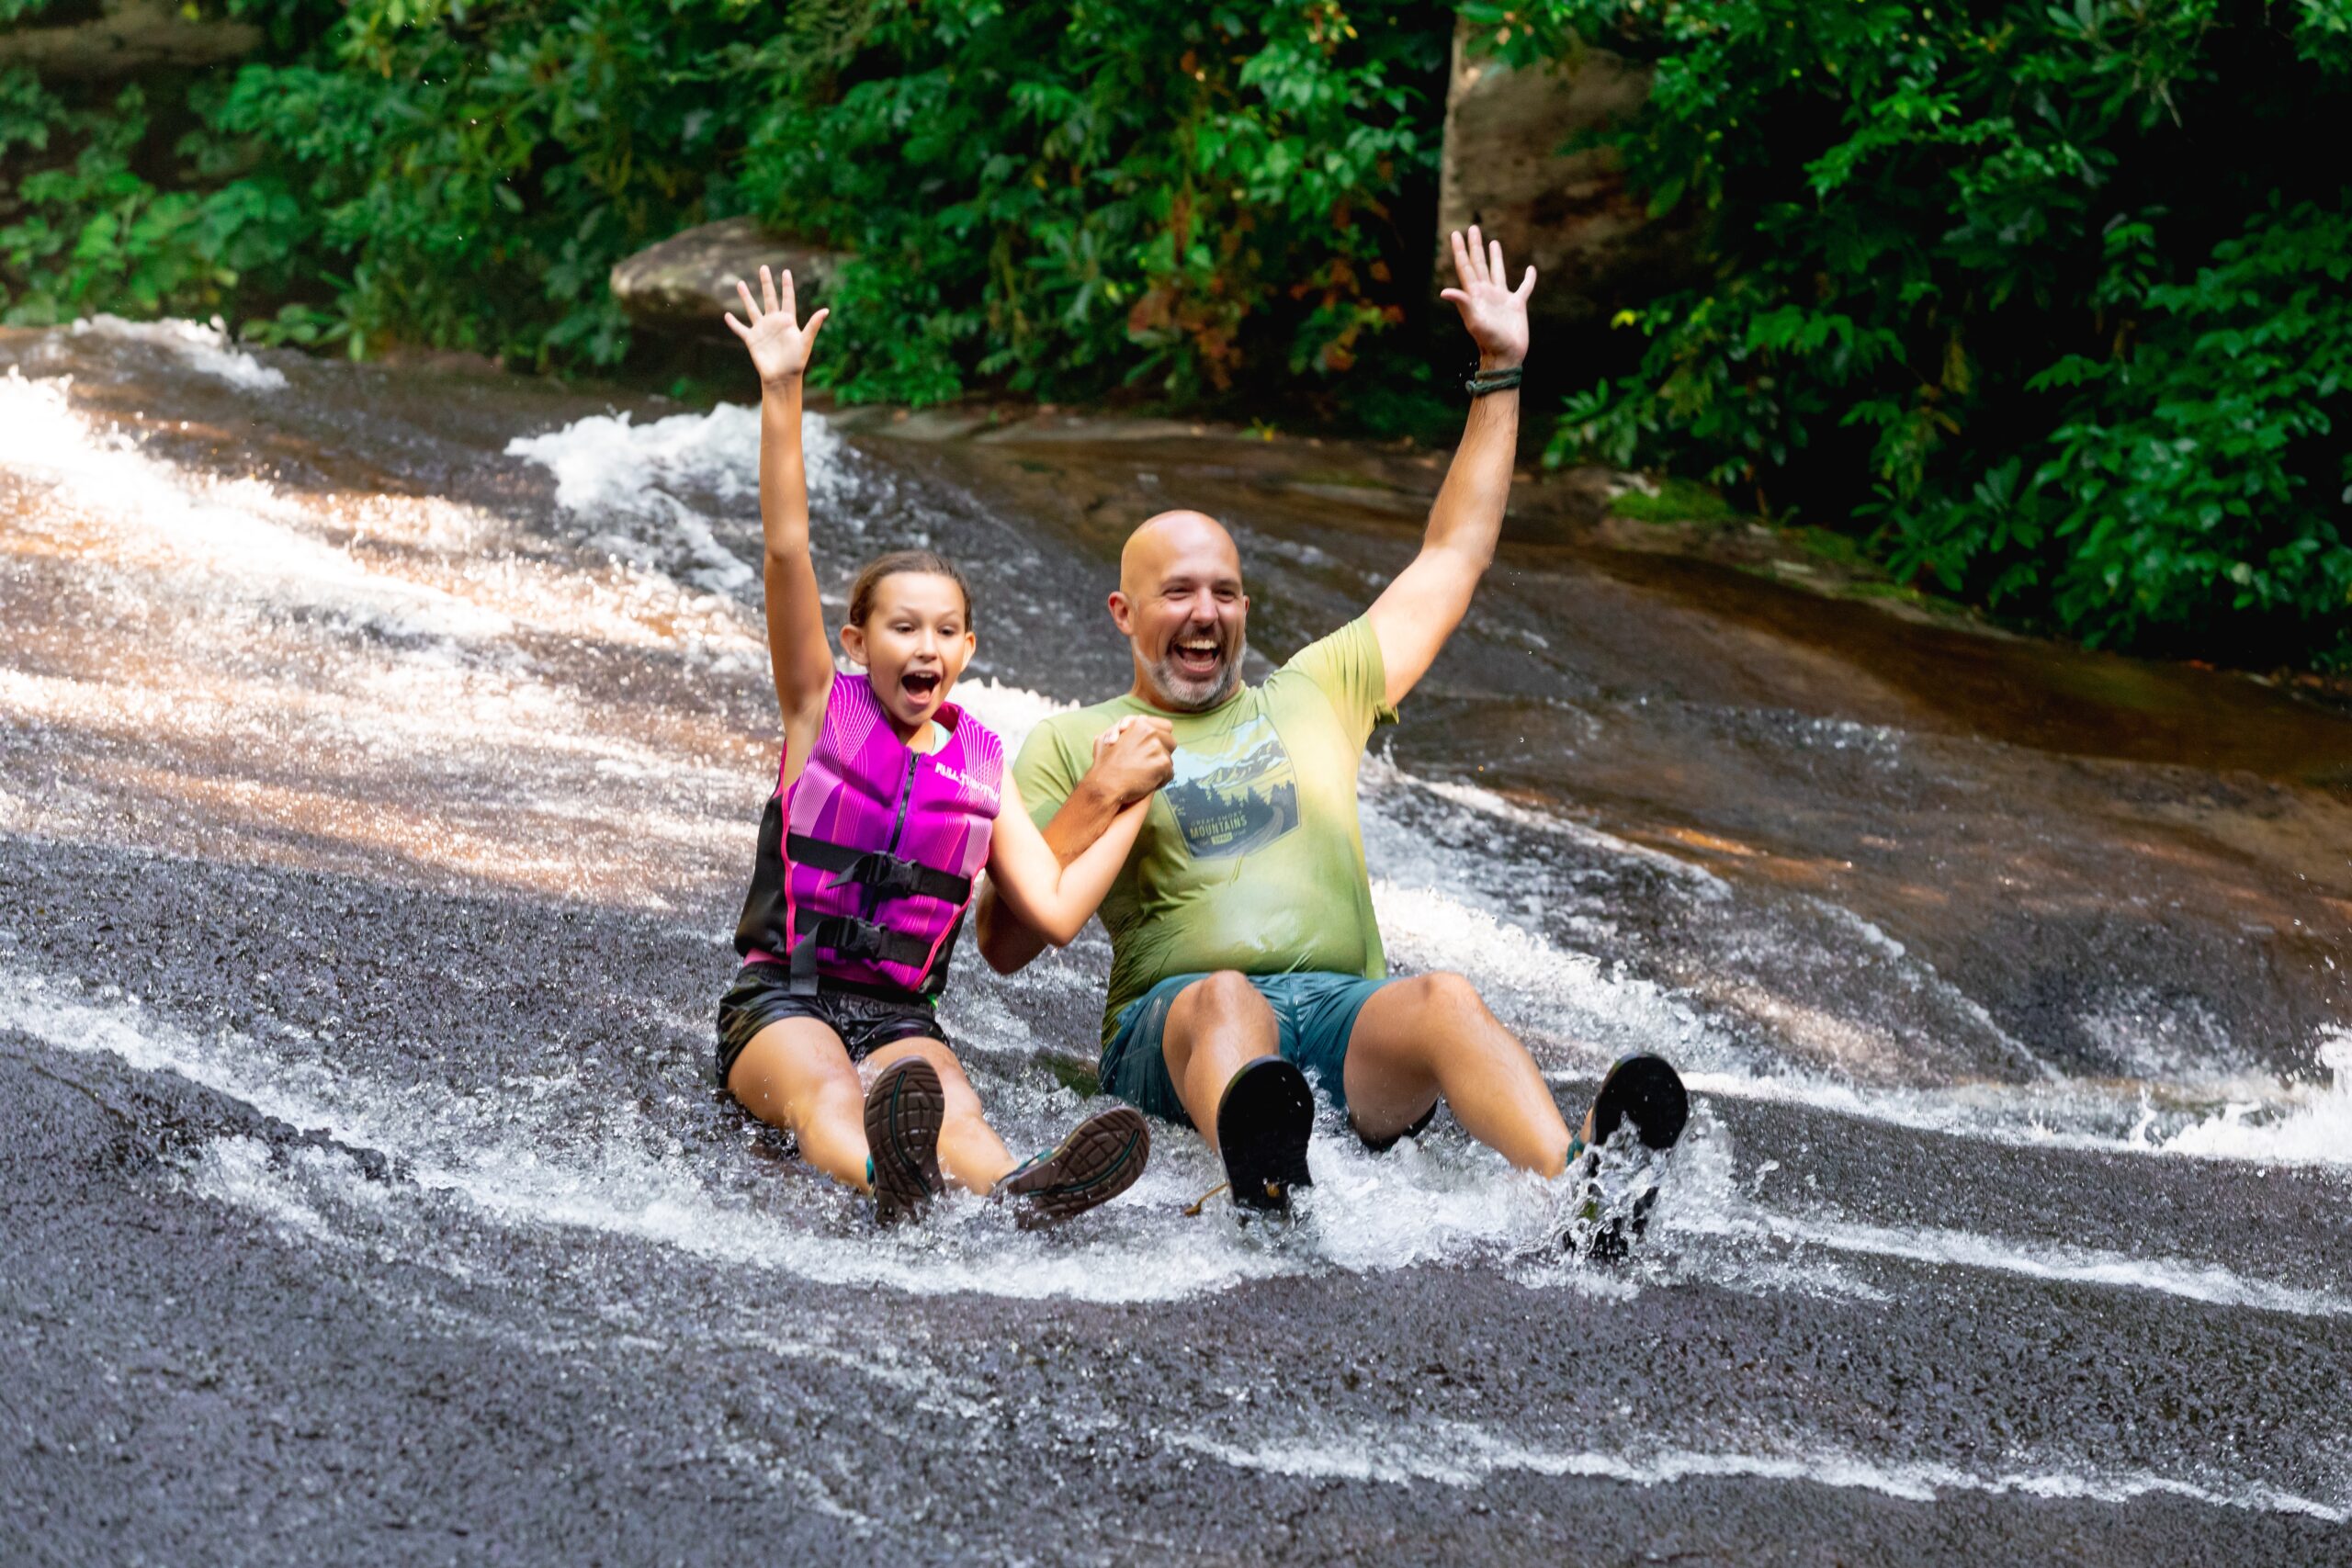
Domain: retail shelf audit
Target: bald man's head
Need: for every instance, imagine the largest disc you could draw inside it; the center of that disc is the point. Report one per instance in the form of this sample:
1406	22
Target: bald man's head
1180	605
1172	536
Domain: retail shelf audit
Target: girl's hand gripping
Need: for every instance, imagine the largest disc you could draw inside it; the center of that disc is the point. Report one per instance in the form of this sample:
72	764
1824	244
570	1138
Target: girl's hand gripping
779	344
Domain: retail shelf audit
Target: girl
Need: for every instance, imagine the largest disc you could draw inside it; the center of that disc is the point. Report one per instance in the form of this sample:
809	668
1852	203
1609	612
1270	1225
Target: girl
889	802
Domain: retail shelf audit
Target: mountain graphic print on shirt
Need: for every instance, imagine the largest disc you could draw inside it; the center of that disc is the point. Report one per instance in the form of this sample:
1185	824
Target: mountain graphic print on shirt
1236	795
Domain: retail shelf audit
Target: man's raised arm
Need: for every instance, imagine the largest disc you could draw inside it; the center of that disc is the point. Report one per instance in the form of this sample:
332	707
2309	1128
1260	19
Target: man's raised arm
1420	610
1130	762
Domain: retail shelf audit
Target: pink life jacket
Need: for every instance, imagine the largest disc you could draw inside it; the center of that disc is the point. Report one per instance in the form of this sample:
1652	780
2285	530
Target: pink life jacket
867	860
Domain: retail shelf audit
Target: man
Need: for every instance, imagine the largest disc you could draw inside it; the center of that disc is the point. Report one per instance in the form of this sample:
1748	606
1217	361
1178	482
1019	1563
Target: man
1241	926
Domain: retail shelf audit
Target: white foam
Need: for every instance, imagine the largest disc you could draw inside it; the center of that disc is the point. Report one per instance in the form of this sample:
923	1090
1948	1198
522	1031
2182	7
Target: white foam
236	1171
396	655
1454	1454
1572	999
1704	1199
2319	1131
1748	968
521	1166
1487	803
1011	711
231	531
2279	1124
2172	1277
627	477
202	346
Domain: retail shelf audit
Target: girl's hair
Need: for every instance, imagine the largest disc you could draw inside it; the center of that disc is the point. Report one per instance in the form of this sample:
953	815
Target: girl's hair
927	562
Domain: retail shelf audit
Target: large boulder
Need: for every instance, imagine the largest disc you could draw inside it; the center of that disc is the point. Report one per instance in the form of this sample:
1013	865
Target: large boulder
126	38
688	280
1591	240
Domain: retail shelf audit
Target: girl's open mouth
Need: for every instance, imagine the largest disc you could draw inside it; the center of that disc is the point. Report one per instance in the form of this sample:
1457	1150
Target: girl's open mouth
920	684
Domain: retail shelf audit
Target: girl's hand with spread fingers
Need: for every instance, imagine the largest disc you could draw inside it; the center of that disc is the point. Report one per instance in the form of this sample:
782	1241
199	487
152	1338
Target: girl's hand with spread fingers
778	342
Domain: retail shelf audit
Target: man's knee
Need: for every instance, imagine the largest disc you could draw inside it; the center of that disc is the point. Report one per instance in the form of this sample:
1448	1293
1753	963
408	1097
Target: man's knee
1443	994
1223	997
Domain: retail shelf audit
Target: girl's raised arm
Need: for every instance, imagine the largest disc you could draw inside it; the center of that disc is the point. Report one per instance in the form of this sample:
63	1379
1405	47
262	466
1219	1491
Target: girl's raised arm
797	652
1051	898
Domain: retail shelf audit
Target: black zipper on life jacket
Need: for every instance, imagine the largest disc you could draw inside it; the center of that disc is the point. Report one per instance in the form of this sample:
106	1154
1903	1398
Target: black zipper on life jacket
906	798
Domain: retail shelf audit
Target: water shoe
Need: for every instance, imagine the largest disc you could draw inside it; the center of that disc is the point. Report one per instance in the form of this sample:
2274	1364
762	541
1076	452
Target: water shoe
1097	1162
1637	1119
1263	1122
903	1111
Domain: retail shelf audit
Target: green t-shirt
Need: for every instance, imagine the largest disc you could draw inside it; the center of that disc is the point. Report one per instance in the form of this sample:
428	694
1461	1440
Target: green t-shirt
1251	857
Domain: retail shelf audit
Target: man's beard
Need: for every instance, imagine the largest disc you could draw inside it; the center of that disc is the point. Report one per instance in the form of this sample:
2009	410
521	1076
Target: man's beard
1196	693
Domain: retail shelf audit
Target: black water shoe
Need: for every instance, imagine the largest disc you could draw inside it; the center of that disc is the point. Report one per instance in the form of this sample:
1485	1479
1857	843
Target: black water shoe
1096	1163
1263	1124
1637	1119
1645	1090
903	1112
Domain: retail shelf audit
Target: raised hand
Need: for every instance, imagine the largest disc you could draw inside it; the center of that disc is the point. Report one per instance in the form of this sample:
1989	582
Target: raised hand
779	344
1495	313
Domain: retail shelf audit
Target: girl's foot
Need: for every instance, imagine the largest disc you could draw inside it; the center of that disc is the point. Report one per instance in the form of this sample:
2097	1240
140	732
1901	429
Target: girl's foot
1094	1164
903	1110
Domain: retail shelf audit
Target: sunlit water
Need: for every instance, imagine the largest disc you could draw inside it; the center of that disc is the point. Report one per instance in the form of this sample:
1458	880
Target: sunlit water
568	702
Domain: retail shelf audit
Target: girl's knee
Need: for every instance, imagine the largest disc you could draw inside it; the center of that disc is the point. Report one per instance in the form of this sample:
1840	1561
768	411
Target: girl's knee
952	1083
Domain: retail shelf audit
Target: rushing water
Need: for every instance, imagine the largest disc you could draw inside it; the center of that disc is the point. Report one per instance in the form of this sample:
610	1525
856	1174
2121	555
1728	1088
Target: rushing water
382	755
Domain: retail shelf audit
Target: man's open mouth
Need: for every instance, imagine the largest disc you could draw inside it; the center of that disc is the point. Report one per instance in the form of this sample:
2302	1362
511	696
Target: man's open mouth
1199	655
920	684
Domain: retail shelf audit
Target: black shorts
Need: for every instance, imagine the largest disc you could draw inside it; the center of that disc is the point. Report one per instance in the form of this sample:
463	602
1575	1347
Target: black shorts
763	993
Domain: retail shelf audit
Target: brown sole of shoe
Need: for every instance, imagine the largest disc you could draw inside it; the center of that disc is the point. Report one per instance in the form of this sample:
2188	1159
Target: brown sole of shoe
1097	1162
903	1114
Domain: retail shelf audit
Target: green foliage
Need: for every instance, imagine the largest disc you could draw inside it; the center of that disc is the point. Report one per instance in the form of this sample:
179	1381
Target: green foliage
1075	197
2052	296
473	173
425	170
86	231
1059	198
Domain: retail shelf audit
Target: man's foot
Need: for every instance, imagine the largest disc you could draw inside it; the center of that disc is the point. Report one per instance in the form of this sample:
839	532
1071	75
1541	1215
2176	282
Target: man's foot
1263	1124
1097	1162
1644	1090
903	1110
1619	1184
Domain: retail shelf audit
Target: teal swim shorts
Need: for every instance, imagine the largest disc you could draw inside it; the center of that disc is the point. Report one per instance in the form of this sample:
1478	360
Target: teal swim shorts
1314	1012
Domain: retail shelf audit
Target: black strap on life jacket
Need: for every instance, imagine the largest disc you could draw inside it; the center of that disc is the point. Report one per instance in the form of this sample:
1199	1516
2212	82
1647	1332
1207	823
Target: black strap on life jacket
885	875
843	938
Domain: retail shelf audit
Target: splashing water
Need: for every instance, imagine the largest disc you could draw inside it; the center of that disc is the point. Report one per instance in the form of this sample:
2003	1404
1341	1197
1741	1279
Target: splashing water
202	346
2318	1132
445	672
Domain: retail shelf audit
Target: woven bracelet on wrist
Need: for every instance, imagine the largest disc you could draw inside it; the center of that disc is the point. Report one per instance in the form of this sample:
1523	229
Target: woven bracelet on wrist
1502	380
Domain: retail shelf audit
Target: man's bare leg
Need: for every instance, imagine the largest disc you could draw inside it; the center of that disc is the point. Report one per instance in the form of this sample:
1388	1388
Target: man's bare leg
1216	1026
1431	1036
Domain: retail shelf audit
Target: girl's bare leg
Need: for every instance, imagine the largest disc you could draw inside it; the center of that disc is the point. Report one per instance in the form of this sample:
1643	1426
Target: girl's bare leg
796	1074
973	1157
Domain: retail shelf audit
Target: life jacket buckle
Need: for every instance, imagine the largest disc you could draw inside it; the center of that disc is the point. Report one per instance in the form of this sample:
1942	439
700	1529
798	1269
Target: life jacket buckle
886	875
854	939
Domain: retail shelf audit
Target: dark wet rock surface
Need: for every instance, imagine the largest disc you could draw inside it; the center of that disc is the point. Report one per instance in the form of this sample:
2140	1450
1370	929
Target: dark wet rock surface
370	817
